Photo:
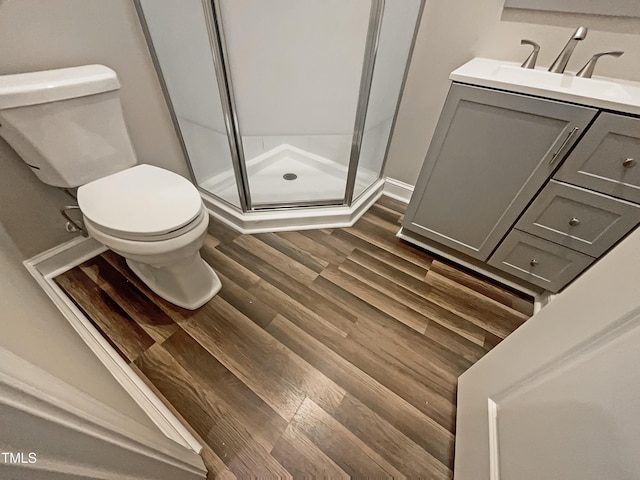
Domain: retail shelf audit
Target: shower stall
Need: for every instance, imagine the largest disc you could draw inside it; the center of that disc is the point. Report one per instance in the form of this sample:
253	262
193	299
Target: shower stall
284	108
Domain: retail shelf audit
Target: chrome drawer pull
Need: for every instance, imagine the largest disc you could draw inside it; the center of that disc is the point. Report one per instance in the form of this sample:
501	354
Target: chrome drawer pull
628	163
564	144
574	222
533	262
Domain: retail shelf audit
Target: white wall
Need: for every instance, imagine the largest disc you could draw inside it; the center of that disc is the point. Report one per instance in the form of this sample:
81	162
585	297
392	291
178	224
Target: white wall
454	31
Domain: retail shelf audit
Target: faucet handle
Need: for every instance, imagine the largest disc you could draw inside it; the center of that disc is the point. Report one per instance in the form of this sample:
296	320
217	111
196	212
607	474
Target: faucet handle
587	70
560	63
530	62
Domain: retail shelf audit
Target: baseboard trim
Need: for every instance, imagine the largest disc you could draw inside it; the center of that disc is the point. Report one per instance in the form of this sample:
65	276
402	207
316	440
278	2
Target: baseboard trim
397	190
44	267
309	217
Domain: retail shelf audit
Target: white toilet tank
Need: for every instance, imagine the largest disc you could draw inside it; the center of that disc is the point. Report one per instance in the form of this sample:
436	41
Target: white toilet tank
66	124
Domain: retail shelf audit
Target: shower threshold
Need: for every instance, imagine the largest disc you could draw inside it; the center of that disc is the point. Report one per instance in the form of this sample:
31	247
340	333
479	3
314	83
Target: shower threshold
287	174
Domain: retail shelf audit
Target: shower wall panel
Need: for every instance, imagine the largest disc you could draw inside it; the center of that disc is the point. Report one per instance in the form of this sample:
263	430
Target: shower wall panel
295	64
295	67
267	93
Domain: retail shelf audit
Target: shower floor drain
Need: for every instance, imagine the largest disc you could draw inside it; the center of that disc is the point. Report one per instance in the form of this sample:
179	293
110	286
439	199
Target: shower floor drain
289	176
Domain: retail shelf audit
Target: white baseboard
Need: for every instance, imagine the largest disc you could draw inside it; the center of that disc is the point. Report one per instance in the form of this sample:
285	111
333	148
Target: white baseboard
44	267
397	190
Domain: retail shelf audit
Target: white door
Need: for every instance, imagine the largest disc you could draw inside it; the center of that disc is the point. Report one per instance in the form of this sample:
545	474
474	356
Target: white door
560	398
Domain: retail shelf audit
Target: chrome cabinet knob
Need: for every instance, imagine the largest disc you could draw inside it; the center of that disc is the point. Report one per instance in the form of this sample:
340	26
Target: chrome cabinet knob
629	162
574	222
533	262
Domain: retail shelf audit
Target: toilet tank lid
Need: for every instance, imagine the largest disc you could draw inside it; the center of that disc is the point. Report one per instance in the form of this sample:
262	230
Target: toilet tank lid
22	89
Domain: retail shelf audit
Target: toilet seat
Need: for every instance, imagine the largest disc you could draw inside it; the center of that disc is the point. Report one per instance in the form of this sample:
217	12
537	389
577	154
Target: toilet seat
142	203
148	238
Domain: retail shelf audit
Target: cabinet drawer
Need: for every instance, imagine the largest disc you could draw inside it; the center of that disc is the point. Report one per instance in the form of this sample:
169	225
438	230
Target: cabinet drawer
543	263
607	158
579	219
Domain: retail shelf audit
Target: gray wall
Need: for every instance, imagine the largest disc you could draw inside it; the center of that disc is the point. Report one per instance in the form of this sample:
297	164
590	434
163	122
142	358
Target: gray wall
43	34
454	31
28	208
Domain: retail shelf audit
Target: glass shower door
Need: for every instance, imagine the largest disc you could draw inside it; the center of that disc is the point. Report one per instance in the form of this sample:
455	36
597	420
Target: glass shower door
394	47
182	45
295	68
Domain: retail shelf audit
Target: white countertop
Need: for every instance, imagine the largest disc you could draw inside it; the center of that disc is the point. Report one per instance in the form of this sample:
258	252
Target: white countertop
601	92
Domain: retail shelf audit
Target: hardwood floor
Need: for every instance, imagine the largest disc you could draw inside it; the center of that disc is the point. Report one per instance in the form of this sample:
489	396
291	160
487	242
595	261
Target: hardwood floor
327	353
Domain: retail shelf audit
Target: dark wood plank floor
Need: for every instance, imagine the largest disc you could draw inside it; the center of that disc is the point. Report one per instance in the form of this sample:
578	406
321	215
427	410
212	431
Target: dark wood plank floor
327	354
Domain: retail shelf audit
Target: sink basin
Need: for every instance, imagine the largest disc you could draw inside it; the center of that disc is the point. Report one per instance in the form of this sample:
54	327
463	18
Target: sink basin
588	87
620	95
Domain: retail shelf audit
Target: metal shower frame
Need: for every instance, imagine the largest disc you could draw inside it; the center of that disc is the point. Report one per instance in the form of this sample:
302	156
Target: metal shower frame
220	58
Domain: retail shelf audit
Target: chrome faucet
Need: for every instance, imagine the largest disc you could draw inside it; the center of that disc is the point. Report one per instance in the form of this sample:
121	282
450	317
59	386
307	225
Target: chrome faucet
587	70
560	63
530	62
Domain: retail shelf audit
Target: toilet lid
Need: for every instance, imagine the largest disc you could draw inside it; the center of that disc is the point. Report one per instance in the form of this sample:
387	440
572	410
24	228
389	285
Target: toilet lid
143	200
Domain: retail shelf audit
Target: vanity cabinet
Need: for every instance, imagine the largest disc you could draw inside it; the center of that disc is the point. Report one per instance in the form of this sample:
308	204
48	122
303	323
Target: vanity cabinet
485	189
490	154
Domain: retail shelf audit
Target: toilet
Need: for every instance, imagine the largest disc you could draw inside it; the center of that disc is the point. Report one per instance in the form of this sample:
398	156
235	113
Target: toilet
67	125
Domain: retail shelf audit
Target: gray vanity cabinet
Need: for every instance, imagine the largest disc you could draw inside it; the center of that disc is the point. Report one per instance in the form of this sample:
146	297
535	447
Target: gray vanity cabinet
490	154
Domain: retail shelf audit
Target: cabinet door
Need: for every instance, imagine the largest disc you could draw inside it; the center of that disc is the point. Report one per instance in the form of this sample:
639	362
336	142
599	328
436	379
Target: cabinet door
606	160
490	154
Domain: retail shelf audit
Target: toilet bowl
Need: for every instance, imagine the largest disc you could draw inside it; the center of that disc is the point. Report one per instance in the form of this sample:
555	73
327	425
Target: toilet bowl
155	219
68	127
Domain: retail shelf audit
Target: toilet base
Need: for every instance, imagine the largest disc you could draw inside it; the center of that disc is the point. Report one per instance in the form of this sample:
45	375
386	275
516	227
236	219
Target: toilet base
188	284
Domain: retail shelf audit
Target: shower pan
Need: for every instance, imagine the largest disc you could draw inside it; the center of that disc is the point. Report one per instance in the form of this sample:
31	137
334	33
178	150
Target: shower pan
284	108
